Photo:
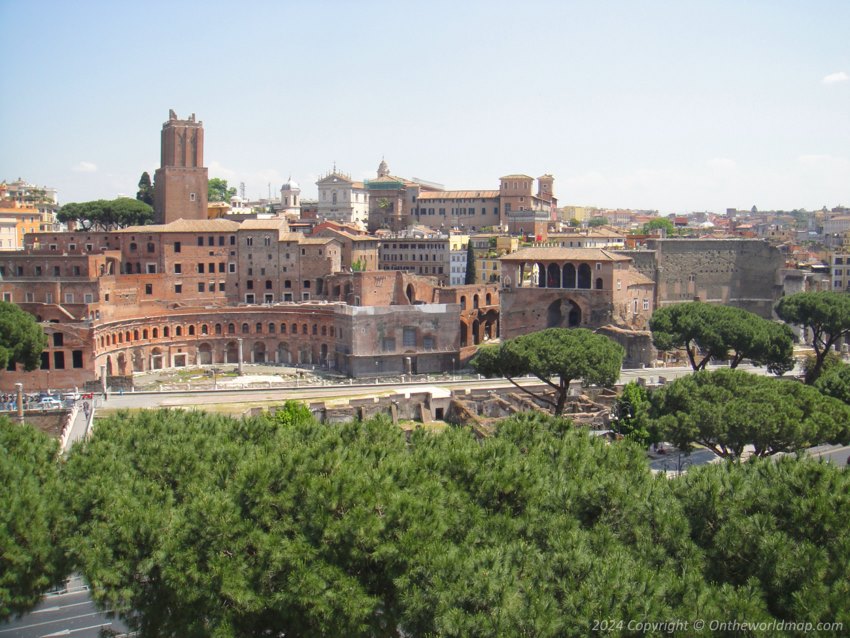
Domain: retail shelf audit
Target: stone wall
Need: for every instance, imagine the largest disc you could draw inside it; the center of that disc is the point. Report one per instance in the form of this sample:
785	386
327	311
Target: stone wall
735	272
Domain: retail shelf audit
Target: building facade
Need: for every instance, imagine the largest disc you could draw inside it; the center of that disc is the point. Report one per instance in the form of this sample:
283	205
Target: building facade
180	183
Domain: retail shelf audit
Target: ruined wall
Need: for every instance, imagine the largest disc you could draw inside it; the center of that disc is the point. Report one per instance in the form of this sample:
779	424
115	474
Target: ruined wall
735	272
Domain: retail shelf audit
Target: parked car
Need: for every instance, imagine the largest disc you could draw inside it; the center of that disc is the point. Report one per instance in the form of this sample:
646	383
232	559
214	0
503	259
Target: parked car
50	403
71	397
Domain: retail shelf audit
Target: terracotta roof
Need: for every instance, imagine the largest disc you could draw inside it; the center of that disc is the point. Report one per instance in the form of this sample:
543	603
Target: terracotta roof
264	224
457	194
187	226
516	176
317	240
566	254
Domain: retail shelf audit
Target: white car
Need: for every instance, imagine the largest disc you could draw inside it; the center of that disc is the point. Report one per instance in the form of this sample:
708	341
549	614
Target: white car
49	403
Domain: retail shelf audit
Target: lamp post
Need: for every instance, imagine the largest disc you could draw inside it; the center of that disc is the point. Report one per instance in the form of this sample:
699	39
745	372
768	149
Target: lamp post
453	368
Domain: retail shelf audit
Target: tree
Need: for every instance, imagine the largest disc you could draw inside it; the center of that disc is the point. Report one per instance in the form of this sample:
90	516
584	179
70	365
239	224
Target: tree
727	410
834	381
30	554
21	339
145	193
825	314
708	331
593	222
218	191
556	356
631	414
471	275
107	214
661	223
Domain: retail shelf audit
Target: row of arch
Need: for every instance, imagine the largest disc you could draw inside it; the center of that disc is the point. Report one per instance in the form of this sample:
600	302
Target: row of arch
145	358
121	337
488	300
557	276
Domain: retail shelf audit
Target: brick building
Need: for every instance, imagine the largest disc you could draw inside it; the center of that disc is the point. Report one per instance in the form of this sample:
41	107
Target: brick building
180	183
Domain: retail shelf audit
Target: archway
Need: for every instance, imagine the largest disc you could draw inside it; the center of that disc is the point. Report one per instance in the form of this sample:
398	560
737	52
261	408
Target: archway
584	276
232	352
553	276
138	361
563	313
476	332
259	352
283	354
156	359
464	338
410	292
569	280
205	357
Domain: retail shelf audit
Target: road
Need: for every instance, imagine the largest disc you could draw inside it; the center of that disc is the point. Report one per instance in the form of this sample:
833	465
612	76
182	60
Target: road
69	612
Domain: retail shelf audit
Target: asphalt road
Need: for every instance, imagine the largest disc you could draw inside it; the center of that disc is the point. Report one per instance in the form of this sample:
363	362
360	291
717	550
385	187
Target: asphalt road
70	612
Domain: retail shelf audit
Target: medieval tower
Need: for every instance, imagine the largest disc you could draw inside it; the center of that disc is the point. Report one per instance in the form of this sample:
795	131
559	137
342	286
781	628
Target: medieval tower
180	184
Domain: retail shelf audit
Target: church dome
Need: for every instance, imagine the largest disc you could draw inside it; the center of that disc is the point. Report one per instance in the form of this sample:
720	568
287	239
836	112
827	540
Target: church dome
289	185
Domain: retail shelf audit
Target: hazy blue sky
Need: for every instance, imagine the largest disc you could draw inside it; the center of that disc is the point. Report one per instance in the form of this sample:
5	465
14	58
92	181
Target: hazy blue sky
675	105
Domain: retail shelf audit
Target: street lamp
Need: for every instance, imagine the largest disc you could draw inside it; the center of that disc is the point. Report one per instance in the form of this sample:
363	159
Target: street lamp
453	368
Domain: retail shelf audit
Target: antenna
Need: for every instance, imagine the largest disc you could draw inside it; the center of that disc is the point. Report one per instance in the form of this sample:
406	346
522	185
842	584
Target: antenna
242	189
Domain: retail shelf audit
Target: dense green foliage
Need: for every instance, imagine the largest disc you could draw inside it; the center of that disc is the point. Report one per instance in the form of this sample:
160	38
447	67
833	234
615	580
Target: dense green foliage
595	222
631	414
145	192
104	214
218	191
834	381
471	276
21	339
726	410
30	514
825	314
661	223
708	331
556	356
207	526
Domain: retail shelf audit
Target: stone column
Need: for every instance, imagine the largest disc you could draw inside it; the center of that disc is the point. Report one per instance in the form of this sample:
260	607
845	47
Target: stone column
19	392
239	359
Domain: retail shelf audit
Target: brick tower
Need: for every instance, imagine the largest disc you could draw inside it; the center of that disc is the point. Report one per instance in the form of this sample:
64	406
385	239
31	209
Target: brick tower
180	184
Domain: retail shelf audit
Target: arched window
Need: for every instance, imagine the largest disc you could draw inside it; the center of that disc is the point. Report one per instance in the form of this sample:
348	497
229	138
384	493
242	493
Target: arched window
244	328
231	328
129	337
315	329
463	302
145	333
204	329
166	331
259	328
135	335
304	329
271	328
489	299
283	328
218	328
599	283
584	276
553	276
178	331
541	275
475	301
569	280
191	331
324	331
295	328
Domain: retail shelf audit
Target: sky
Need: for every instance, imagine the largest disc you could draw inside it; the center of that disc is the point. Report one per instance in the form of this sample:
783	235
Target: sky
675	105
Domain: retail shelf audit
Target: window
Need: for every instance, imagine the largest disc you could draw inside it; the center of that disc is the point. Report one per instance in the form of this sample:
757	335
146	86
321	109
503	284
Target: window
178	269
250	284
48	297
151	247
58	339
249	298
148	289
231	329
211	241
231	267
88	298
29	296
200	241
201	269
388	344
221	286
178	288
201	286
409	337
283	328
150	269
56	271
191	197
259	328
221	267
59	360
268	284
69	297
646	304
221	240
77	359
249	241
304	329
268	298
271	328
245	328
38	271
177	246
428	343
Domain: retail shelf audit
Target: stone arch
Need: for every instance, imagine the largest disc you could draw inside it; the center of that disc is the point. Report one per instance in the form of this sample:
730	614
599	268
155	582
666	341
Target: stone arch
178	331
476	334
488	299
136	334
191	330
218	328
410	293
305	355
231	353
553	276
166	331
463	302
155	333
205	329
584	276
258	352
138	361
109	368
569	279
563	313
145	334
540	271
475	300
464	334
205	354
599	283
283	354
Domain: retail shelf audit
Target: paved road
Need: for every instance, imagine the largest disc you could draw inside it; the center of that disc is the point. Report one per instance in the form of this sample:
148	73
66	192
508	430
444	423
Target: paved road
70	612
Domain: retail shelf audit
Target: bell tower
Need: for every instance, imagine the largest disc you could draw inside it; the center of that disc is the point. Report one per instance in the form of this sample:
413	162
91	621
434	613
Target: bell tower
180	183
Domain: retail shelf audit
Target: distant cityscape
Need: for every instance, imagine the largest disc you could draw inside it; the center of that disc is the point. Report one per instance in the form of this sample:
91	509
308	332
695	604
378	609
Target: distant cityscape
390	275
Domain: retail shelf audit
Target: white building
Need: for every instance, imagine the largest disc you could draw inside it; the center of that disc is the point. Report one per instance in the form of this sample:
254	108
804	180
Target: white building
290	200
341	199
